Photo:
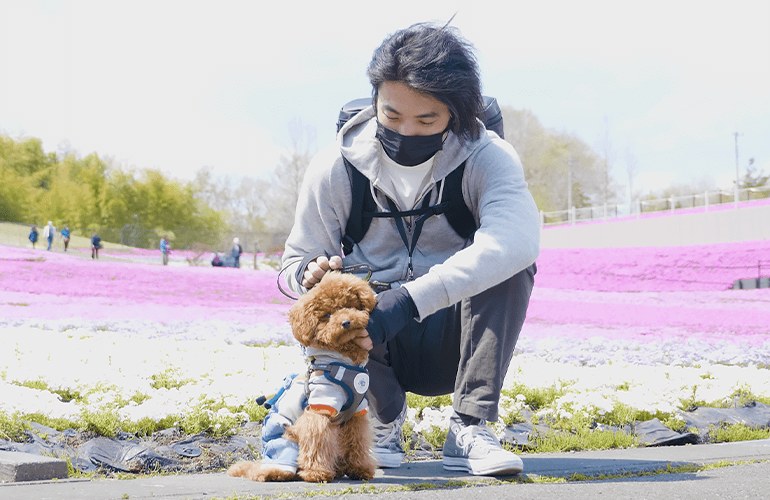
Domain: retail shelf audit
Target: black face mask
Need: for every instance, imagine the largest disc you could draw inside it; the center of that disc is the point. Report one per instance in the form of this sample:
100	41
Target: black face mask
409	150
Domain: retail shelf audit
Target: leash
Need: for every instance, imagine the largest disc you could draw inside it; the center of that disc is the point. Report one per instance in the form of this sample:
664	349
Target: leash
377	286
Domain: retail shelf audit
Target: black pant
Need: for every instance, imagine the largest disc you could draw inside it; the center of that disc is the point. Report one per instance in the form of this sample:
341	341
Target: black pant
465	348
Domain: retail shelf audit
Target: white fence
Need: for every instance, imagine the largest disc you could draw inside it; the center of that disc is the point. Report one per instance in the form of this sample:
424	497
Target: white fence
639	207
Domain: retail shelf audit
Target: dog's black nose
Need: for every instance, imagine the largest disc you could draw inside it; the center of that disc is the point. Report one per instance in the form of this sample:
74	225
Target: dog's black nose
346	324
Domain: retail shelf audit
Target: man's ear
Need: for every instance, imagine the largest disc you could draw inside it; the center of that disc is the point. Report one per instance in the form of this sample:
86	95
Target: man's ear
302	320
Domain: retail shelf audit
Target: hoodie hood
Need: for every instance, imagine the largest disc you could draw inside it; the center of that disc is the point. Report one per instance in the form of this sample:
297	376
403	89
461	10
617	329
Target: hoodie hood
360	146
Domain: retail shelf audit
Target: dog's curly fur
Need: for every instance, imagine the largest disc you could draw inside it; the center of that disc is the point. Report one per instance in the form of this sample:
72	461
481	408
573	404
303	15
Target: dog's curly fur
328	317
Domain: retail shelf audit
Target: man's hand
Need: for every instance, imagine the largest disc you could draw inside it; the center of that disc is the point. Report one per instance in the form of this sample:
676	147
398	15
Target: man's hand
395	308
359	337
318	268
364	341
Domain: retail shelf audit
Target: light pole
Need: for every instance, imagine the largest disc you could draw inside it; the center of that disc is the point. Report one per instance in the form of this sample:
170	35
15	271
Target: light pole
569	183
737	174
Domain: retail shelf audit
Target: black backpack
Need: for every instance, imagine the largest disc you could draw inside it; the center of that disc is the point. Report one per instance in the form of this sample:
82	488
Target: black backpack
364	209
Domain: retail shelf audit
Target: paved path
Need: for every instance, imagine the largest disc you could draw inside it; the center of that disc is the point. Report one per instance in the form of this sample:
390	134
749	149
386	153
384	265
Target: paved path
741	481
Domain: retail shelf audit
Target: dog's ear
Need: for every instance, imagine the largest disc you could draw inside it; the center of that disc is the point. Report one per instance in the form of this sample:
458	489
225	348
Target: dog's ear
303	320
367	297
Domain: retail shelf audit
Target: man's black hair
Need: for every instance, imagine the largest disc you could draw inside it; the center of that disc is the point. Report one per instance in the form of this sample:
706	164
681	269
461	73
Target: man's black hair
436	61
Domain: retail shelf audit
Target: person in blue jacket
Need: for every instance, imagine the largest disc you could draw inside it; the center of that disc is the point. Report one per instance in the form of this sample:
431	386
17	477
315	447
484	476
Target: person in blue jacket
33	236
65	236
96	244
165	248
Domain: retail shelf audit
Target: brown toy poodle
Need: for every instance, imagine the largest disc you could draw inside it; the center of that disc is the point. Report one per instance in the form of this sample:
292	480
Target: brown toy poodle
333	431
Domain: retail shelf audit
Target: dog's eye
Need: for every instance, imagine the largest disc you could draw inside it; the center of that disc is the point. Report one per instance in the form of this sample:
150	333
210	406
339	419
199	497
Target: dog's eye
326	316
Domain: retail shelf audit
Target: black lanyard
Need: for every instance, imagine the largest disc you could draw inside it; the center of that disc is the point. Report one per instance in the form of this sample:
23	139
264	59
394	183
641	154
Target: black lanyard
422	213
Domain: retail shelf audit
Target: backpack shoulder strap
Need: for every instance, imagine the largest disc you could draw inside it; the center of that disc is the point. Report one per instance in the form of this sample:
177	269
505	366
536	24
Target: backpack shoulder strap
357	224
459	215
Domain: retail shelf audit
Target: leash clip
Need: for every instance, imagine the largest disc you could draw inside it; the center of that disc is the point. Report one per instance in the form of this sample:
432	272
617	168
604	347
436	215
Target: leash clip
358	268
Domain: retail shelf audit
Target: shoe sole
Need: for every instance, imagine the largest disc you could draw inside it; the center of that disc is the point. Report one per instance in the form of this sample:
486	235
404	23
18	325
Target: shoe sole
388	460
483	467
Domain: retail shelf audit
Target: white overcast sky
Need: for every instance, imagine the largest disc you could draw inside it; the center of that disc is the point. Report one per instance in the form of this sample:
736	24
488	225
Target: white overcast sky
178	85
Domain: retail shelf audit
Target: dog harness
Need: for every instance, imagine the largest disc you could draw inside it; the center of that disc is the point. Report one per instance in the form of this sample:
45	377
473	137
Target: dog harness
351	379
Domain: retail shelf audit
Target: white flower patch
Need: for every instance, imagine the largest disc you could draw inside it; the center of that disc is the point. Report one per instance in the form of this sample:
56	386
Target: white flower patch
171	370
642	387
434	417
108	368
678	348
15	399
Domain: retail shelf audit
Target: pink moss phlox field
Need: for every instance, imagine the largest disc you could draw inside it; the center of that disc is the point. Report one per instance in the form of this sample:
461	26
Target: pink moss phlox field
653	269
652	294
154	255
53	285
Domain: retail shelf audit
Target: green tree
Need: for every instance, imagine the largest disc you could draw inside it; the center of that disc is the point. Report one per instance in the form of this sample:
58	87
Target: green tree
92	194
123	200
61	201
166	206
76	192
551	160
15	197
25	157
23	167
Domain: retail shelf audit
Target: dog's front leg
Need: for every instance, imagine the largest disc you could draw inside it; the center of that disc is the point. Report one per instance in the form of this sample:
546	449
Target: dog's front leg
356	443
319	447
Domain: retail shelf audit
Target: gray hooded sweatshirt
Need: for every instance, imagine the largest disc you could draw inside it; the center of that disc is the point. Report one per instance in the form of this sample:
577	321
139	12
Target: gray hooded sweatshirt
447	268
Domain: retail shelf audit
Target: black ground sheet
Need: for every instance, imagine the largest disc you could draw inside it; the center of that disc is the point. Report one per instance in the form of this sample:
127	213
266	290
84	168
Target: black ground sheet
170	451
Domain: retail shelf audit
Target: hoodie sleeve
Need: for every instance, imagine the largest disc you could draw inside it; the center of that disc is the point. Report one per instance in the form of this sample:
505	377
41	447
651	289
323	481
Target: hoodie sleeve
324	201
506	242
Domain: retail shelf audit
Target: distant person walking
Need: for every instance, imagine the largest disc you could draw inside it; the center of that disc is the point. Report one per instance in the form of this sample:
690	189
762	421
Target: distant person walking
65	236
96	244
165	248
49	232
33	236
236	252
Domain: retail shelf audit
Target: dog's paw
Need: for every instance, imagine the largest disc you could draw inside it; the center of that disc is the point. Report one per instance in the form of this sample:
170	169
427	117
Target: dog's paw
360	473
316	476
270	475
242	469
257	472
